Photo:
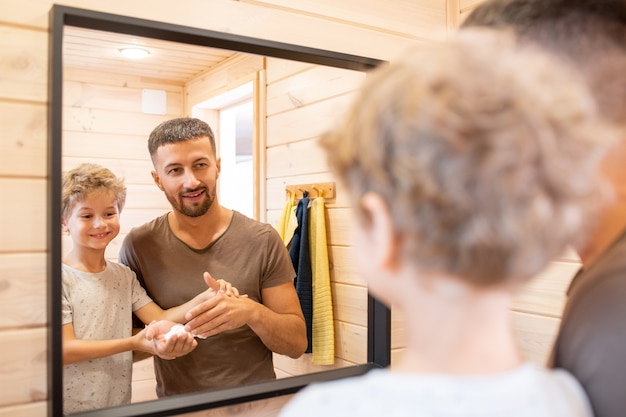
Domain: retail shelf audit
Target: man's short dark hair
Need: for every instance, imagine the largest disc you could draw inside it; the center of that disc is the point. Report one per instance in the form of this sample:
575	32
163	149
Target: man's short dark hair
590	35
179	130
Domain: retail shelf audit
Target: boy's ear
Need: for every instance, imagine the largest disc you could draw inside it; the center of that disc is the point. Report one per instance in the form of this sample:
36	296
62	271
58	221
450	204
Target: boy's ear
64	227
381	231
156	179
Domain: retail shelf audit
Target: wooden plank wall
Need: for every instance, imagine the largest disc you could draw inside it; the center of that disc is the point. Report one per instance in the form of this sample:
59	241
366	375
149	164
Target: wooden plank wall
23	97
303	100
380	30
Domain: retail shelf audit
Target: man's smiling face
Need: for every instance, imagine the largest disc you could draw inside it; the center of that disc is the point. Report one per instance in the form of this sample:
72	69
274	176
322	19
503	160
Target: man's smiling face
187	172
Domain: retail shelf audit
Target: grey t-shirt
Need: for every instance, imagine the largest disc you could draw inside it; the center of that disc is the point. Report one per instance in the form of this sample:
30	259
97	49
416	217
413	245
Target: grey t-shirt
526	391
250	255
100	307
591	343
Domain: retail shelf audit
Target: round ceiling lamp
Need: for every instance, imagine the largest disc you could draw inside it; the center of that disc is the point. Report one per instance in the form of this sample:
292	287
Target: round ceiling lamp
134	53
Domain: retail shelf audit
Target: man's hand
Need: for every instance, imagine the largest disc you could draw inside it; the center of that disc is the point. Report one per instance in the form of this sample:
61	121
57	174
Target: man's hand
278	321
218	286
225	310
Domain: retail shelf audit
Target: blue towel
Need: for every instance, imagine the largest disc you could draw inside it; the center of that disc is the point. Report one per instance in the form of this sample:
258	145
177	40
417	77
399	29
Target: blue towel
300	255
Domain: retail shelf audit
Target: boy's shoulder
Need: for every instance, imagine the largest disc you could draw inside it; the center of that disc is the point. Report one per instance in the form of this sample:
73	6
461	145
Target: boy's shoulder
120	269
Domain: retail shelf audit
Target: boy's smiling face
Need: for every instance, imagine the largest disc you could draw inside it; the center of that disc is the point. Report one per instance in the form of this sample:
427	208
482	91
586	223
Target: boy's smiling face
93	222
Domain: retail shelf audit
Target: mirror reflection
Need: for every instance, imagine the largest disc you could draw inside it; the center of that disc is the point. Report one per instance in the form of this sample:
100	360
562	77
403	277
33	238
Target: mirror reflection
265	113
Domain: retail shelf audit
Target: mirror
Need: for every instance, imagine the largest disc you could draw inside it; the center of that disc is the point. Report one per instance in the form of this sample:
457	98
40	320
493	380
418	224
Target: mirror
64	19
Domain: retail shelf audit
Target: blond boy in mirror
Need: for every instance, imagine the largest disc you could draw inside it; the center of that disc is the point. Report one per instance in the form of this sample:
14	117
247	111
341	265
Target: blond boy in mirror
99	298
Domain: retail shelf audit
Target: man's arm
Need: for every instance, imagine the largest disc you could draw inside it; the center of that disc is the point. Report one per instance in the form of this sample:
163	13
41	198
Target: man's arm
153	312
278	322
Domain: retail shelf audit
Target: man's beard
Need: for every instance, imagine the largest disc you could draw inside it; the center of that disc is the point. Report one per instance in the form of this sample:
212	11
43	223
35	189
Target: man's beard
194	210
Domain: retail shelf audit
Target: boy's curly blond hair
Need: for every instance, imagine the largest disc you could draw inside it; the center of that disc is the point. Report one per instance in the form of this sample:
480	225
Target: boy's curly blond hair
86	179
484	152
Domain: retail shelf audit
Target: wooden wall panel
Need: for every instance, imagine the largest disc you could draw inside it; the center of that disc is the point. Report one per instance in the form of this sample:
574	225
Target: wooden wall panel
340	224
295	159
144	383
272	217
84	119
536	335
143	196
353	306
286	366
22	290
77	144
302	102
398	338
24	214
278	69
121	99
308	87
254	19
38	408
423	18
306	122
469	4
23	358
133	217
24	65
343	268
134	171
217	80
94	79
466	7
546	294
24	140
350	341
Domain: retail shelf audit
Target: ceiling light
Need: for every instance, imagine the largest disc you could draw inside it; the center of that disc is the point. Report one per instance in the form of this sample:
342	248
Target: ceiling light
134	53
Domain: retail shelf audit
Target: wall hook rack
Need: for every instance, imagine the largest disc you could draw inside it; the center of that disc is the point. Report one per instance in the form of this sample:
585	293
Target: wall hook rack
320	189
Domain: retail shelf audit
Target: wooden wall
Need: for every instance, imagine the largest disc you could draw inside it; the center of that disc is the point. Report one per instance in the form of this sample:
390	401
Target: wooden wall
379	30
303	100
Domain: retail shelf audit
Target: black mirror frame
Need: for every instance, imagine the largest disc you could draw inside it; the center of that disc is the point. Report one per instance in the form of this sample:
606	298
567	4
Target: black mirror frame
379	316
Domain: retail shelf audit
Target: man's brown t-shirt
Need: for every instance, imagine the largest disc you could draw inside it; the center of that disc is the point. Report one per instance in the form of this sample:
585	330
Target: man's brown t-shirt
250	255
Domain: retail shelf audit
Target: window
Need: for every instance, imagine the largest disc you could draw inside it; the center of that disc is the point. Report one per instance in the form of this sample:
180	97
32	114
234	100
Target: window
234	114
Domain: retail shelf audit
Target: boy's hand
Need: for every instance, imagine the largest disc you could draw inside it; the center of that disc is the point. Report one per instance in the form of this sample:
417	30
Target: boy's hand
169	342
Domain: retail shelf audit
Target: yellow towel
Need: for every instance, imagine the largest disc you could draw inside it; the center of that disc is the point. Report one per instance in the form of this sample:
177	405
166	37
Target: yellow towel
287	222
323	345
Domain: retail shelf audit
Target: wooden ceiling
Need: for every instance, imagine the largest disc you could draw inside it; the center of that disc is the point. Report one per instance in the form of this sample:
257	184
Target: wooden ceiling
171	61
